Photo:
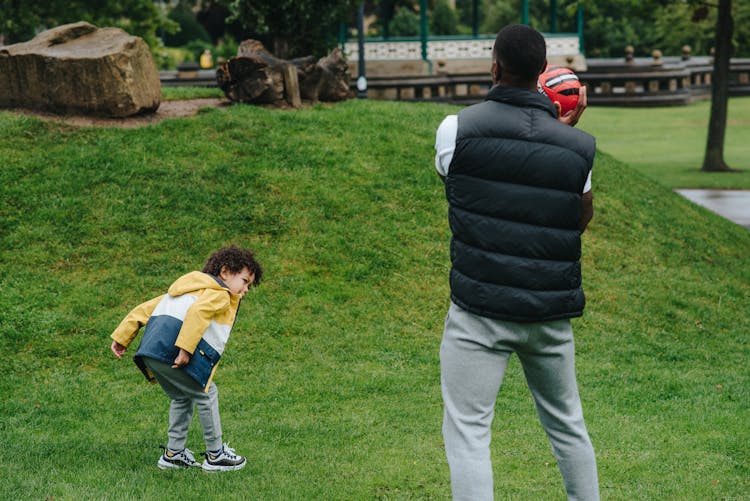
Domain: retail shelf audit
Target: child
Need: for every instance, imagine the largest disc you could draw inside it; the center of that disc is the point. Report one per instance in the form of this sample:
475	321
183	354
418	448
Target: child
186	332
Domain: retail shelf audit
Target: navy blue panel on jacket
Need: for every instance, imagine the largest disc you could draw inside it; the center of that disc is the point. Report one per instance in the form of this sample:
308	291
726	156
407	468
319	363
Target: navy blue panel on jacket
159	343
514	190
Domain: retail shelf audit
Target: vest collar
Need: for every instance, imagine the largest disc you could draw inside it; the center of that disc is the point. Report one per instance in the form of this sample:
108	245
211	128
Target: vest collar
516	96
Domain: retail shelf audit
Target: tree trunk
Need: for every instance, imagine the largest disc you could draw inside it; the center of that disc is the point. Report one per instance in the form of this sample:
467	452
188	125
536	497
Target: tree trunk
327	79
717	123
256	76
280	46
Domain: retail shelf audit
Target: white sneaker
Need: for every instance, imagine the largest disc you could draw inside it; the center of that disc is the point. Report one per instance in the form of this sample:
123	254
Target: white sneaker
182	459
225	460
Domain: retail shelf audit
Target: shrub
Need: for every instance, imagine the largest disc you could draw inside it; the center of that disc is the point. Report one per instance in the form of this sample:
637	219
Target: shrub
444	20
167	58
405	23
190	29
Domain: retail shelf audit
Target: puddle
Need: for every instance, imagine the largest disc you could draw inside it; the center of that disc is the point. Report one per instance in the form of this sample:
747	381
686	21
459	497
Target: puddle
730	204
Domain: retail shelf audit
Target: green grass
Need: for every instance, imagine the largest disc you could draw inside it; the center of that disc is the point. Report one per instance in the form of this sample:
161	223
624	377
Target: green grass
668	144
330	383
188	92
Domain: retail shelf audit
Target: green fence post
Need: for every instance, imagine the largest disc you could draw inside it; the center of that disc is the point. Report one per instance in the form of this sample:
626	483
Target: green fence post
553	16
362	78
342	37
579	26
525	12
423	32
475	18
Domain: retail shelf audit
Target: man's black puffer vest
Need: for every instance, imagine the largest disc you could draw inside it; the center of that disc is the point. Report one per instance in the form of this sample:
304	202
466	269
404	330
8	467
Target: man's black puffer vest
514	191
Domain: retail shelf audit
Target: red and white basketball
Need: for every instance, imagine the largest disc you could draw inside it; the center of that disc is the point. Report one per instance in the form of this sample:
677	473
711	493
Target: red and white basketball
561	85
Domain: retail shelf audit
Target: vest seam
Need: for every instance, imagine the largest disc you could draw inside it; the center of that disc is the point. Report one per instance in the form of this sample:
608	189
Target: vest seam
574	289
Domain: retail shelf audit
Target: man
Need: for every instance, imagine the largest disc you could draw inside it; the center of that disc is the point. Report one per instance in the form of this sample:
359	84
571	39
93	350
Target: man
518	183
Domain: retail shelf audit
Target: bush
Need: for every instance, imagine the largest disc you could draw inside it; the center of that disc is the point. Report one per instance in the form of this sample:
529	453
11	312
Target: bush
167	58
444	20
405	23
226	48
497	16
190	29
195	48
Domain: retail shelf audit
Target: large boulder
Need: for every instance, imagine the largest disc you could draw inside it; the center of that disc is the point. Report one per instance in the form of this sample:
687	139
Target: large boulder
79	68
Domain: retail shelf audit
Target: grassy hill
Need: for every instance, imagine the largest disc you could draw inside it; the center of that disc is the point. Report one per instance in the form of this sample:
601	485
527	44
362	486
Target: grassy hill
668	144
330	383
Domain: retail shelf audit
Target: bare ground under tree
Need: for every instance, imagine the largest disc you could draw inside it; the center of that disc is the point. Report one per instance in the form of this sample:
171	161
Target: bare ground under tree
167	109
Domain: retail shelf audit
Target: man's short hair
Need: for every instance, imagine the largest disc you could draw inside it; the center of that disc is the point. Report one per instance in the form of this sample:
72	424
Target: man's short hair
521	51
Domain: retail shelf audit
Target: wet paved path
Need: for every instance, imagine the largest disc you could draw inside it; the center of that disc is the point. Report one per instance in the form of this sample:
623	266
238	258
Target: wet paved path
731	204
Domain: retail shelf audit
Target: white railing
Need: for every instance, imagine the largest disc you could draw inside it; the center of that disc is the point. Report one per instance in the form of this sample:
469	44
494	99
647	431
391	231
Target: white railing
475	48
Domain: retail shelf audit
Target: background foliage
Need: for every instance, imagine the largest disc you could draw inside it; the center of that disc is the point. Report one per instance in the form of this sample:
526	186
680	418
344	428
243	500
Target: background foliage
296	28
21	20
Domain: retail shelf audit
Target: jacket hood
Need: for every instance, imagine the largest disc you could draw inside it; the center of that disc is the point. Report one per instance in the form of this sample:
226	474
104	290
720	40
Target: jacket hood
193	281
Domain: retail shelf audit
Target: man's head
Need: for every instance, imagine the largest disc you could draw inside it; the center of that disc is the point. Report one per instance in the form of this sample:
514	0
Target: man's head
234	261
519	56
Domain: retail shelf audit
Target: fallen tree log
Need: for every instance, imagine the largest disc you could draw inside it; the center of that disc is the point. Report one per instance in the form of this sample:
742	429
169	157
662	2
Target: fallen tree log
324	80
257	76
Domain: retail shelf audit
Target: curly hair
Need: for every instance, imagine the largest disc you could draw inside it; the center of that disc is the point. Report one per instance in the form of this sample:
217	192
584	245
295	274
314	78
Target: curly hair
235	259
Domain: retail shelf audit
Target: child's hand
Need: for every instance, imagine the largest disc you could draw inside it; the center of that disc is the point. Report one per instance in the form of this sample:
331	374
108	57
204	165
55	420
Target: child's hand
118	349
182	359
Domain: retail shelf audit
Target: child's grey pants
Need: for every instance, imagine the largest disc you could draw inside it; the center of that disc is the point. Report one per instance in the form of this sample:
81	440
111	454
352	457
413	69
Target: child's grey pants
473	357
186	393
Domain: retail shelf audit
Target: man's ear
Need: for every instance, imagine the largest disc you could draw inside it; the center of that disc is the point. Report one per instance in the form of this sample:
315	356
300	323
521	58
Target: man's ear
544	67
495	71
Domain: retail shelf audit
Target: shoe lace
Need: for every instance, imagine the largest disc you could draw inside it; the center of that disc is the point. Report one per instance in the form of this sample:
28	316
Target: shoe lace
189	454
225	450
229	451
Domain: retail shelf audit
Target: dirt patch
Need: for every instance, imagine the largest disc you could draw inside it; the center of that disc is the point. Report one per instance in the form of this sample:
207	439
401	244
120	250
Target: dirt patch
167	109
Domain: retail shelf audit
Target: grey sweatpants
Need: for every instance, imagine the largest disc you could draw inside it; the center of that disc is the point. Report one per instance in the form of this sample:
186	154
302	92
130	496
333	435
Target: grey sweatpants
186	394
473	357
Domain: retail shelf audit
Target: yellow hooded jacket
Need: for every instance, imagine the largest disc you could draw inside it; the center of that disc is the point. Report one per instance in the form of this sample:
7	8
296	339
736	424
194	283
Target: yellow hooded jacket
196	314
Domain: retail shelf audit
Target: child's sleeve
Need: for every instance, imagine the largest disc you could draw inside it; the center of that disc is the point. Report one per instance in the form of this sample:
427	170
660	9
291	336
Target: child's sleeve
131	324
198	317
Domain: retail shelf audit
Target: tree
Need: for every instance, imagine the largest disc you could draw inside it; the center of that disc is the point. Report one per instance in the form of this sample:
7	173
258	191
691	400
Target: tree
444	20
295	27
667	25
465	11
213	15
190	29
713	160
675	26
497	15
21	20
405	23
670	30
612	25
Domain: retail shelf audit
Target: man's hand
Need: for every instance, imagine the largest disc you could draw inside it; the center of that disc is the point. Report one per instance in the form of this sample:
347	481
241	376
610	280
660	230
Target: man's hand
571	117
183	358
118	349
